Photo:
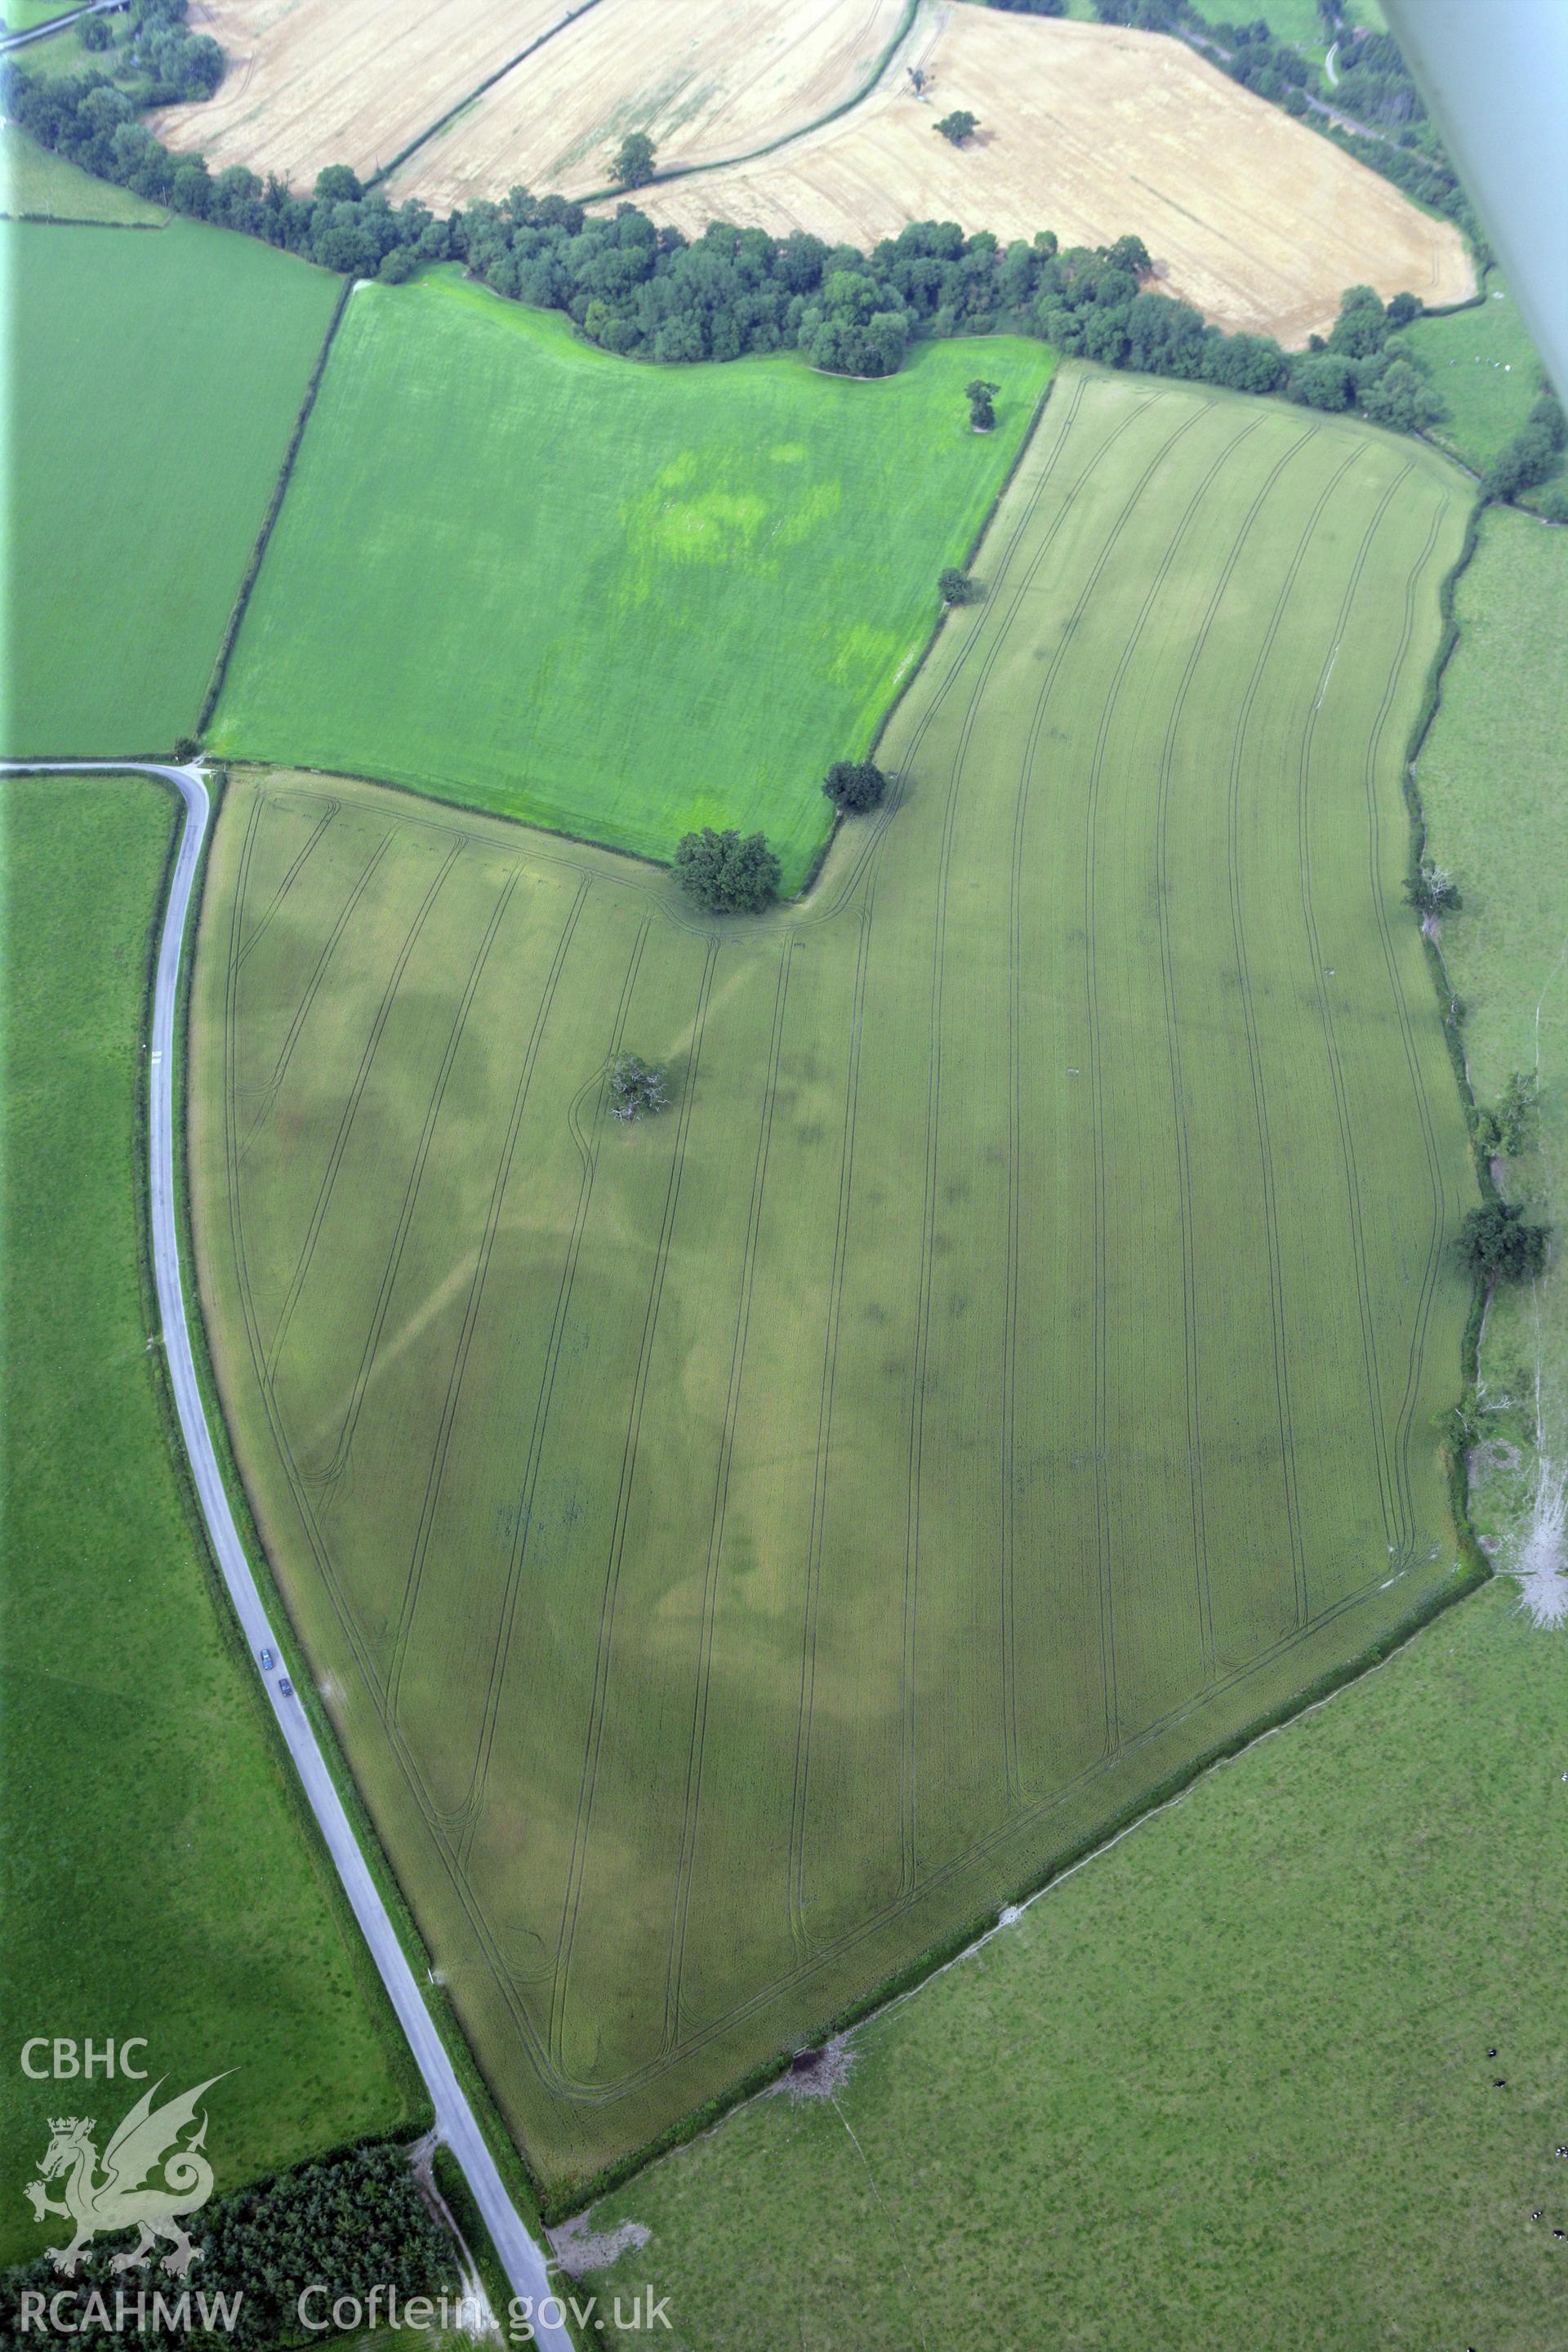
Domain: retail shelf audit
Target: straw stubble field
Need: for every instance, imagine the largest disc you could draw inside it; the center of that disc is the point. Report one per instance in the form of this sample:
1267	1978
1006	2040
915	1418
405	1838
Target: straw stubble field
1091	130
1095	132
705	79
311	82
742	1549
329	82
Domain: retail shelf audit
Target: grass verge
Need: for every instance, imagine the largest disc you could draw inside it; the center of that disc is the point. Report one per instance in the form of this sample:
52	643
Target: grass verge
156	1880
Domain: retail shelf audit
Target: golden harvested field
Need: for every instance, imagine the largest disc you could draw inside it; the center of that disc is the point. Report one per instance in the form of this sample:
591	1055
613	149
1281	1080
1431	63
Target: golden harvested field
1095	132
343	81
704	79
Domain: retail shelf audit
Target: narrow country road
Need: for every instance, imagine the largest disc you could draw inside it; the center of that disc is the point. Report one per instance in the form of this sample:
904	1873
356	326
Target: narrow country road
522	2259
58	24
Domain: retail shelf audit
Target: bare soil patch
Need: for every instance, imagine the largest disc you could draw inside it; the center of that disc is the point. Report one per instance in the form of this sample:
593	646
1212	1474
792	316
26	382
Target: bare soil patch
1094	131
816	2074
704	79
579	2247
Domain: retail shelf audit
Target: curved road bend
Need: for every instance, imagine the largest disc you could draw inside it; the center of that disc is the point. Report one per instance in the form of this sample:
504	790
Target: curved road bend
521	2258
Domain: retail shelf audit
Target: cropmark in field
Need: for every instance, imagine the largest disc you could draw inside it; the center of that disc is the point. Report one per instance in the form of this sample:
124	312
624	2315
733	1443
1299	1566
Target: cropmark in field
745	1546
617	601
1228	2086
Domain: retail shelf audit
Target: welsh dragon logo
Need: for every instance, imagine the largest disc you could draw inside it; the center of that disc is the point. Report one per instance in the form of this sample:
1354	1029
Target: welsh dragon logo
122	2195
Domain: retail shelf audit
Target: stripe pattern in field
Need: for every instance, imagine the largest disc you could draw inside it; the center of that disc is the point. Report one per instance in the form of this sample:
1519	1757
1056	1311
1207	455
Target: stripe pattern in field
742	1547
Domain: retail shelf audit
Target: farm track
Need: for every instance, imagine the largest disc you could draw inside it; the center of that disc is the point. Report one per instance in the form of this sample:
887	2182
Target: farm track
1142	525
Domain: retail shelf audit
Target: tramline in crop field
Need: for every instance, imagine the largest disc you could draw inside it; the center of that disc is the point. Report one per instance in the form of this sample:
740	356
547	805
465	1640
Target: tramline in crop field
742	1547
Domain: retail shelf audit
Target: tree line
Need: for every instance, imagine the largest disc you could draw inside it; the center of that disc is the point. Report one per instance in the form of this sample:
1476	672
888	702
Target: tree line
647	292
152	45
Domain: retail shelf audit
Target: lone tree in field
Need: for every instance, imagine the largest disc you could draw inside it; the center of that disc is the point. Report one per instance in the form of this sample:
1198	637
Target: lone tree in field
727	875
958	126
1432	891
1499	1245
980	395
957	587
636	1089
854	785
633	166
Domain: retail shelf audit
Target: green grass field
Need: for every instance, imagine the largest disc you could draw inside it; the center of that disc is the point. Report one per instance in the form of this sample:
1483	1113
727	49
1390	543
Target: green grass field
1491	779
1483	367
157	1880
1226	2087
743	1548
511	569
164	378
1296	21
62	54
21	16
33	181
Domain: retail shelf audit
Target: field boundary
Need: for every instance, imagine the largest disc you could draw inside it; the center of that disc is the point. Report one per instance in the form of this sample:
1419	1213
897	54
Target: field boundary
421	2111
77	220
418	2113
917	1969
926	651
1476	1573
247	1593
901	32
384	171
1450	1013
270	521
509	2158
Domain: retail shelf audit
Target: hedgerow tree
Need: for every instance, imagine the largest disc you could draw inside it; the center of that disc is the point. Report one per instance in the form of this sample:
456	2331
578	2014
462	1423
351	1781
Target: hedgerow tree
1499	1244
1506	1129
958	126
725	873
633	166
980	395
854	785
1399	396
1432	891
636	1088
1531	455
1362	326
956	587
